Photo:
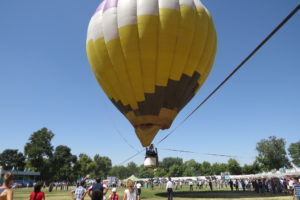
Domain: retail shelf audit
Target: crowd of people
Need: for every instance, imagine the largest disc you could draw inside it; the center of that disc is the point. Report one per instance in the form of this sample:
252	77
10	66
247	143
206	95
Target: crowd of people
274	185
63	186
97	190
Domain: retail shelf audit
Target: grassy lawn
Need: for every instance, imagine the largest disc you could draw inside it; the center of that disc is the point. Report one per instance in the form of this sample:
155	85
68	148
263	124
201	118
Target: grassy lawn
157	194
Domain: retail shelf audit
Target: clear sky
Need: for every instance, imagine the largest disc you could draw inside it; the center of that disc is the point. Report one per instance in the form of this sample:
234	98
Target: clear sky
46	81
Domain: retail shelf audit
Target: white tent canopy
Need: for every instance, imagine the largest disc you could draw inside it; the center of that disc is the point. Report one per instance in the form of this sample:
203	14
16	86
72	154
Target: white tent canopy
132	177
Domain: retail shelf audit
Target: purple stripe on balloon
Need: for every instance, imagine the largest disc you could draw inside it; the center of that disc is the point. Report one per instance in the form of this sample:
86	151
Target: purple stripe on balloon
110	4
100	7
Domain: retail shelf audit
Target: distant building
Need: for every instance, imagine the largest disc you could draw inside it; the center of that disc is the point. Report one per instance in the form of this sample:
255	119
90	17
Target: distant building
22	177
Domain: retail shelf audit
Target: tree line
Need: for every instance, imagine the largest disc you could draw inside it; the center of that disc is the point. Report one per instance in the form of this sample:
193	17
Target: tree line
57	164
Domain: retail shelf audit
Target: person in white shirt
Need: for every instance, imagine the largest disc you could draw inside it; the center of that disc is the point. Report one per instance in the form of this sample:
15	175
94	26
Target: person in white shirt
191	184
79	192
139	190
291	186
180	184
169	188
130	193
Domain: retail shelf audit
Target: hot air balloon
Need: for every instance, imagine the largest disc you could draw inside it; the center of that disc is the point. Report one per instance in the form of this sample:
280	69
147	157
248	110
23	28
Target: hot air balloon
151	57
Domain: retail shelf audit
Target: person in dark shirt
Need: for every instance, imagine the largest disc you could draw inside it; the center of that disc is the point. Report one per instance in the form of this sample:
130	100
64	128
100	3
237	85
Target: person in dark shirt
260	186
231	184
210	185
243	185
97	191
255	186
237	185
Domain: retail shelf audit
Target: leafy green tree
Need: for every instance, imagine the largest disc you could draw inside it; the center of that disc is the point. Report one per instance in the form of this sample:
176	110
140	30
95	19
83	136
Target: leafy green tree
38	150
120	172
251	169
168	162
234	167
271	153
190	167
294	151
160	172
47	170
198	170
62	163
256	167
85	164
76	174
176	170
206	169
133	169
102	166
218	168
247	169
10	158
145	172
187	171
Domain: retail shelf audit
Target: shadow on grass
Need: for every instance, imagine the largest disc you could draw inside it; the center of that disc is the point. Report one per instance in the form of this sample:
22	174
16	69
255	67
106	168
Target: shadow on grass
219	194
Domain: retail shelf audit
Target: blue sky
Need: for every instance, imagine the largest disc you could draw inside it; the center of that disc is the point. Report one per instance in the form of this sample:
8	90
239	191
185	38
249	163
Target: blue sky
46	81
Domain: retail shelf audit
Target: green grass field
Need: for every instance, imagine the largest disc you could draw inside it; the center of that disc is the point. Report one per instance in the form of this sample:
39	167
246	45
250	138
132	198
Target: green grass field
157	194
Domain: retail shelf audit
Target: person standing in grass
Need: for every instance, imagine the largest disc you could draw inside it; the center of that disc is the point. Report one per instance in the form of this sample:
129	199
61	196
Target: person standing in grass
231	185
191	184
37	194
243	185
169	188
236	185
79	192
6	193
210	185
130	193
296	189
180	184
98	190
139	190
